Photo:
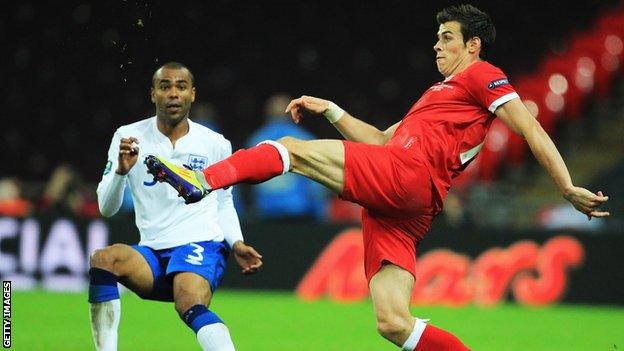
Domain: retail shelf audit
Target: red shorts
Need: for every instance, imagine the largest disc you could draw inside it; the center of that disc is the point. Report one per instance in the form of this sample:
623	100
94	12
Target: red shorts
395	188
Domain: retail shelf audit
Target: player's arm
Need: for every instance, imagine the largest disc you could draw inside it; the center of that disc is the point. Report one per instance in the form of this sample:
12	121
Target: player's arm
350	127
519	119
357	130
246	256
228	218
122	155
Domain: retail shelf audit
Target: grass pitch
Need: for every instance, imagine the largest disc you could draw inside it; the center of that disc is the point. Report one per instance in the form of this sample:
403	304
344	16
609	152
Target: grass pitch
279	321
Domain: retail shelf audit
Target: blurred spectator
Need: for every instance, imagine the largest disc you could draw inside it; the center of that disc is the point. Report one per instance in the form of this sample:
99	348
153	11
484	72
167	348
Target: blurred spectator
455	213
66	193
289	195
206	114
11	201
565	216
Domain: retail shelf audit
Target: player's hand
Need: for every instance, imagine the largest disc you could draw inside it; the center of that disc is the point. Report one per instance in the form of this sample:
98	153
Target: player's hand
128	154
306	103
587	202
247	257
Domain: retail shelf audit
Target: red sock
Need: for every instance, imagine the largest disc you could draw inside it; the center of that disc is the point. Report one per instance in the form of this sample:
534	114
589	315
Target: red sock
254	165
436	339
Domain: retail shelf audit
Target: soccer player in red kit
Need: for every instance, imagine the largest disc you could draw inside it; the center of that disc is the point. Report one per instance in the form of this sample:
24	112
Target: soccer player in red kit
401	175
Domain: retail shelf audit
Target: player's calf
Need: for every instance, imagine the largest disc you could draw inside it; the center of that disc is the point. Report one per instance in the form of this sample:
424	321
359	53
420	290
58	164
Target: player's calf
105	307
394	328
212	334
254	165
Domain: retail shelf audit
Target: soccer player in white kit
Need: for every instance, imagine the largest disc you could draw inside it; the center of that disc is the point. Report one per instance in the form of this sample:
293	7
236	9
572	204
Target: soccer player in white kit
183	249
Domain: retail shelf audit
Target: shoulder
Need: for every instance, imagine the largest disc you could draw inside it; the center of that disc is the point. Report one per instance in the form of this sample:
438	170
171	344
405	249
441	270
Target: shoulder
208	135
137	127
481	68
205	132
483	75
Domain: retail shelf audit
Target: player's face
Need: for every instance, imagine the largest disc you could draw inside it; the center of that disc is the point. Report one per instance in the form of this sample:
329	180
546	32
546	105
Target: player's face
173	93
451	52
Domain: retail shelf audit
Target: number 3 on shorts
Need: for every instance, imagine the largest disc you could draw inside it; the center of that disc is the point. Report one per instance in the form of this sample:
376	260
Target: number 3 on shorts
198	257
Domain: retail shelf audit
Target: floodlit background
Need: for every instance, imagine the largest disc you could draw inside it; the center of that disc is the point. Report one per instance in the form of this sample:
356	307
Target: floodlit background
75	71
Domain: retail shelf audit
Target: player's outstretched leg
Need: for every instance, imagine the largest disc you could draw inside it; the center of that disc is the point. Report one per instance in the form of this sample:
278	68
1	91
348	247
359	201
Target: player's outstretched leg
253	165
391	290
319	160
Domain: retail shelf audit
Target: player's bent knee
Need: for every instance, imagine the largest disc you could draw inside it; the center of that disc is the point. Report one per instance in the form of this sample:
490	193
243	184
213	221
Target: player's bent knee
296	150
102	258
106	258
288	141
291	144
183	305
183	302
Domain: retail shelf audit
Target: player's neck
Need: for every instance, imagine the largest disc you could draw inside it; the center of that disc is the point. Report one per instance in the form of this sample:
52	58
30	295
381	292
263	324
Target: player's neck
463	65
173	131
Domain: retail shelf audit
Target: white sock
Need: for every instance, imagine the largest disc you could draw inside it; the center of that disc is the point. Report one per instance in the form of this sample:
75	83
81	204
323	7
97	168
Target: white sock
215	337
104	324
412	340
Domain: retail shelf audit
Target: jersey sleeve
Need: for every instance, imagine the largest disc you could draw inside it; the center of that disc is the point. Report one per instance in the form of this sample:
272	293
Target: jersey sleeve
228	218
111	187
490	87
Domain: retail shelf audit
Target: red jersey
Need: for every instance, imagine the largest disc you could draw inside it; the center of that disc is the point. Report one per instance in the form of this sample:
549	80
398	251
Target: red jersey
449	122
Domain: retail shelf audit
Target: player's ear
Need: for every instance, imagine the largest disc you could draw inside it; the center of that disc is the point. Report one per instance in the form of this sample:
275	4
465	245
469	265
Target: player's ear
193	94
474	45
152	95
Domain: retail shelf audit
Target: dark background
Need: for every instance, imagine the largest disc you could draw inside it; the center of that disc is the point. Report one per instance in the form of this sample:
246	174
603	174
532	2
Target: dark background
75	71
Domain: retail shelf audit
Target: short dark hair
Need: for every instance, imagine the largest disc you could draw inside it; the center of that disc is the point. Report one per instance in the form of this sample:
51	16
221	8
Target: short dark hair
173	65
474	23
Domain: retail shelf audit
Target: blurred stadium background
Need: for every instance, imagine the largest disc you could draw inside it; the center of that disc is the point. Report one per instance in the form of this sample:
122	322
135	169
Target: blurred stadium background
508	265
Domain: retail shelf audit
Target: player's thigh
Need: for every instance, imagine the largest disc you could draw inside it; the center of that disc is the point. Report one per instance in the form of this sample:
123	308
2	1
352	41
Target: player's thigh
319	160
391	292
190	289
128	264
197	270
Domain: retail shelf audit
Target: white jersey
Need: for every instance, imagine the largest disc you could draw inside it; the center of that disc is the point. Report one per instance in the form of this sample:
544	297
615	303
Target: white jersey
162	218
